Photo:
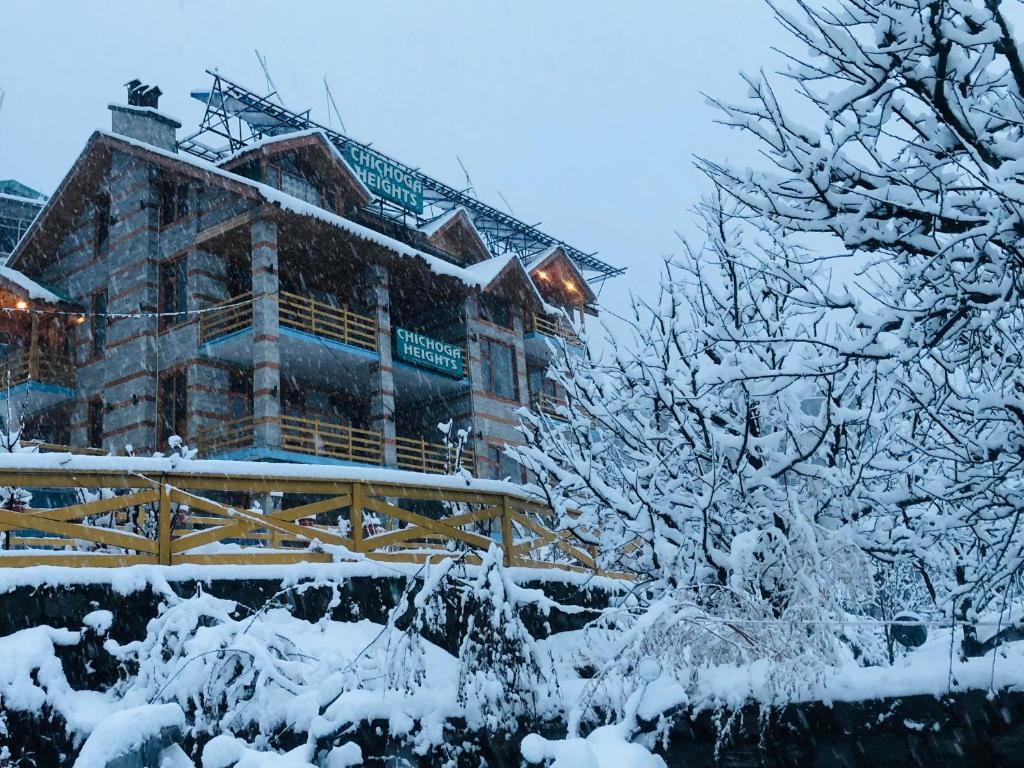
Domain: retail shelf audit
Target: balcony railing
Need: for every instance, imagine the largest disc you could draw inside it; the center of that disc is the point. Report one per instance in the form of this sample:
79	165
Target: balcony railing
333	441
296	312
48	369
555	328
548	405
422	456
315	437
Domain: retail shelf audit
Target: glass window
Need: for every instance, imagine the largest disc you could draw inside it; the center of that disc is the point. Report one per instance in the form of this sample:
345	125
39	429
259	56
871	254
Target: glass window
173	293
173	408
495	309
95	423
173	202
99	323
102	220
499	369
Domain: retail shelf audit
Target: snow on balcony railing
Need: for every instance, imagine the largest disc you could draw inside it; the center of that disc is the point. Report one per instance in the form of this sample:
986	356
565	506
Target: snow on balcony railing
553	328
423	456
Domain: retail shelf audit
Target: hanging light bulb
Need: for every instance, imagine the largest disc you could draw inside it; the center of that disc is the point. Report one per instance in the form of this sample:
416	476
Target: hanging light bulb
21	304
570	285
80	319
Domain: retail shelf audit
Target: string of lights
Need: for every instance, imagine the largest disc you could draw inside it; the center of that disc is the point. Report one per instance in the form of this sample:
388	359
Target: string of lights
25	308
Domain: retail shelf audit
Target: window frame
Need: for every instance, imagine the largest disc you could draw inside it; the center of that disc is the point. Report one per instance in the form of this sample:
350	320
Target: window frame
179	402
100	325
178	270
101	222
487	365
94	408
173	202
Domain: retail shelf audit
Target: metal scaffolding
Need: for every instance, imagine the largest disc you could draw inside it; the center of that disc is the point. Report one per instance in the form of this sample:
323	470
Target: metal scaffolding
240	116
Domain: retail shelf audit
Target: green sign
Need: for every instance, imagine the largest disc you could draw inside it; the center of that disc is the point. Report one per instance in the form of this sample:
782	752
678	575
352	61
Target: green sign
415	348
384	178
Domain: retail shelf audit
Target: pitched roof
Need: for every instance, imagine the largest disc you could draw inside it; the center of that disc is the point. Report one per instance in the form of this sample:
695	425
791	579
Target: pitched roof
100	143
298	140
15	188
22	284
456	219
554	256
507	270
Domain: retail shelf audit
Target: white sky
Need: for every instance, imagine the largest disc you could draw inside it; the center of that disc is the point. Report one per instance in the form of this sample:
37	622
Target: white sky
585	115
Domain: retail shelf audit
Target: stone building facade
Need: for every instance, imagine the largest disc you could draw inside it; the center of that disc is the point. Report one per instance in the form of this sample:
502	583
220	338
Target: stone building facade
258	309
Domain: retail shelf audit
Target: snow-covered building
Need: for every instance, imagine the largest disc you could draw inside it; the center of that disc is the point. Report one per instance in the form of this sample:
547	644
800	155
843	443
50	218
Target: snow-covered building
19	205
256	307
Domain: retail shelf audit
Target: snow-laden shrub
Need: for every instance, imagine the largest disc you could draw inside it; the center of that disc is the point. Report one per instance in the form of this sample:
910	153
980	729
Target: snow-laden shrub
503	675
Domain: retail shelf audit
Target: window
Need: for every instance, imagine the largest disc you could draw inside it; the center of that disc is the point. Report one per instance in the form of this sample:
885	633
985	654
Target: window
239	394
495	309
173	407
102	221
173	293
499	369
173	202
505	467
99	323
95	425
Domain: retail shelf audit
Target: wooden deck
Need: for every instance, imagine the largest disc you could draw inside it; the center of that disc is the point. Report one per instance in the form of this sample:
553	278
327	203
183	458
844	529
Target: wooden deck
177	517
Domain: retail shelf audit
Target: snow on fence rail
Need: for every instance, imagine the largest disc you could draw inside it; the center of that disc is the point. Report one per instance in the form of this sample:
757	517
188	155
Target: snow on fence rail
157	511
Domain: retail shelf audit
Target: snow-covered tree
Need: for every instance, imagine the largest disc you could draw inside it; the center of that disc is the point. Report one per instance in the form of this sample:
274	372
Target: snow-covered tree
909	163
720	456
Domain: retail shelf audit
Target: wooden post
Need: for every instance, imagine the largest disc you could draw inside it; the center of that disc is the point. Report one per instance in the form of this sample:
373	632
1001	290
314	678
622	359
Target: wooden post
164	525
33	349
356	517
506	530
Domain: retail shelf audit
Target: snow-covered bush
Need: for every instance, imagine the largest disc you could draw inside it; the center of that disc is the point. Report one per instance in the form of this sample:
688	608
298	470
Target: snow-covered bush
503	677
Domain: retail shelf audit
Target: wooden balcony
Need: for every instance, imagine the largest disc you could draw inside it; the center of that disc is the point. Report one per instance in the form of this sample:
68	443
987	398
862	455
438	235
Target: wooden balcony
295	312
554	328
325	439
46	369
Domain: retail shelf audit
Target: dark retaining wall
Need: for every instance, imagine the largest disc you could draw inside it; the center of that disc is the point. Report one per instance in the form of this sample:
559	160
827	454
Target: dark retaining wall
964	729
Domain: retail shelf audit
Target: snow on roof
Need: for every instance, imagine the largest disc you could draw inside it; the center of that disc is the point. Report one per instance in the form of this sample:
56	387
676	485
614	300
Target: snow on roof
267	141
34	201
34	290
295	205
431	227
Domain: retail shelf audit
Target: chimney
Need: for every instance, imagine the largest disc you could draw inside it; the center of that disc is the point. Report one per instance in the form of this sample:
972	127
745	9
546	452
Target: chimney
140	119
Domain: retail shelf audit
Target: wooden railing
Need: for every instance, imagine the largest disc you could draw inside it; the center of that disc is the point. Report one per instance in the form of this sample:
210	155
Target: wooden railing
45	447
556	328
423	456
334	441
316	437
49	369
296	312
549	405
320	319
225	318
175	517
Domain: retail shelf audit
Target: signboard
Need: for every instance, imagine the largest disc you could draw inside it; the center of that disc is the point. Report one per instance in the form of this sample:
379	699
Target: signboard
415	348
384	178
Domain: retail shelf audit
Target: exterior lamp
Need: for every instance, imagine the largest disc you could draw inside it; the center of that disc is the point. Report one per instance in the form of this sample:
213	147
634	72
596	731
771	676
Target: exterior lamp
21	304
542	275
80	319
570	285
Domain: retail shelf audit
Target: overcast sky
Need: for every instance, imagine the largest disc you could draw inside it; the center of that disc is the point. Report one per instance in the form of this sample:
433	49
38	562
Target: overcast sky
584	114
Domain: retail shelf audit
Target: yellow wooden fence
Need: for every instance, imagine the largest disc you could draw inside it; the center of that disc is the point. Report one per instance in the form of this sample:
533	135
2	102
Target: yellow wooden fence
171	518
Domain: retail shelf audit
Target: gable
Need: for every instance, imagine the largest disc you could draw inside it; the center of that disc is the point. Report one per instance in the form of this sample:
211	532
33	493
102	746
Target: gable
454	233
309	156
559	280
